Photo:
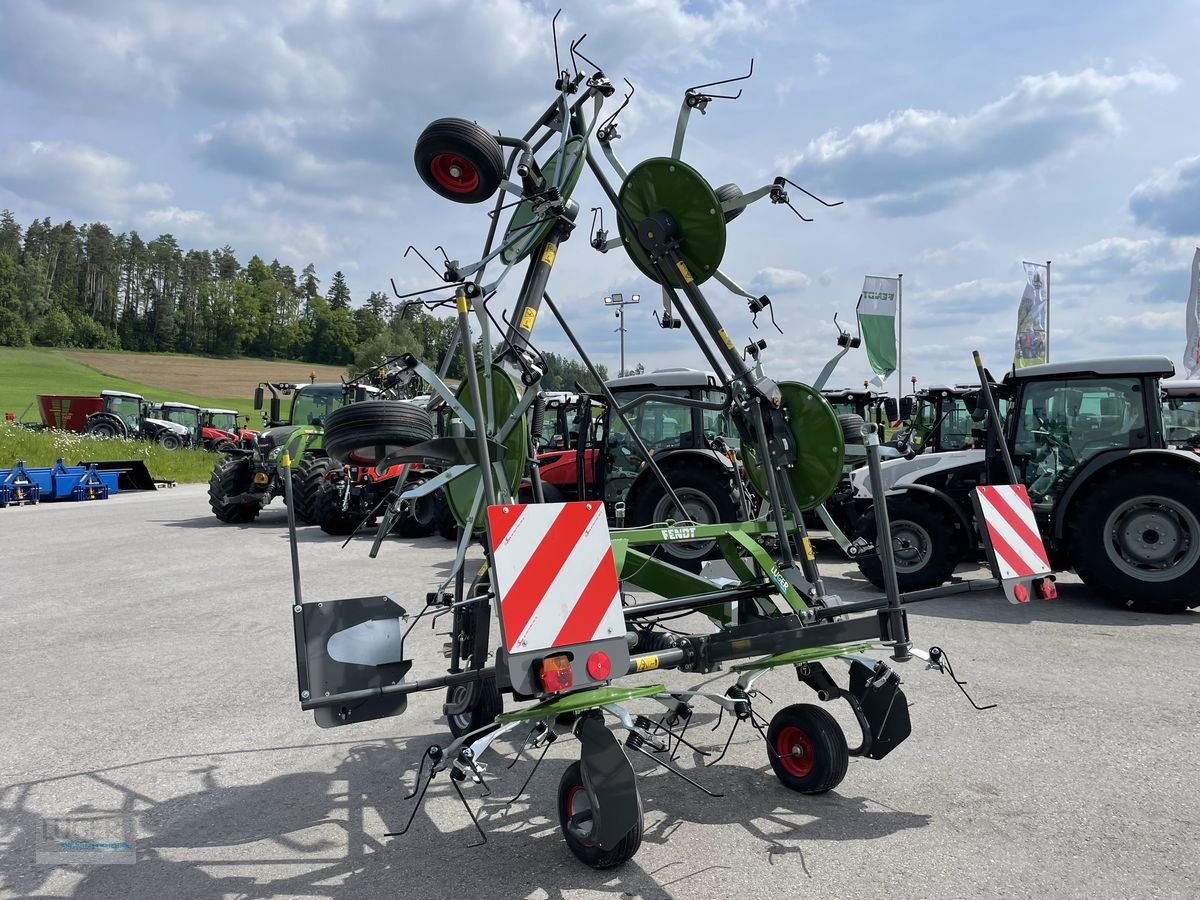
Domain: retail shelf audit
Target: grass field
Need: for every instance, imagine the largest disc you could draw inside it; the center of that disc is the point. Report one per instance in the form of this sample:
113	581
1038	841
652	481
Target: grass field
26	372
42	448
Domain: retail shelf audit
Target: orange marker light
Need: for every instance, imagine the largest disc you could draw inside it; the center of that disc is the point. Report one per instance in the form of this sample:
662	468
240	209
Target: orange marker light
556	674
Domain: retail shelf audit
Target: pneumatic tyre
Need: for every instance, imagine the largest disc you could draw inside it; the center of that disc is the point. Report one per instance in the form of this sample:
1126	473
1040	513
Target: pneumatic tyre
925	544
459	160
367	432
1137	538
232	477
328	512
707	493
574	807
169	441
106	426
730	192
308	477
807	749
444	522
852	428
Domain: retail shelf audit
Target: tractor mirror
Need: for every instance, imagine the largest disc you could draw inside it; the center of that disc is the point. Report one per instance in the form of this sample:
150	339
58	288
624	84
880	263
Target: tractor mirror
274	414
258	397
361	394
978	411
906	408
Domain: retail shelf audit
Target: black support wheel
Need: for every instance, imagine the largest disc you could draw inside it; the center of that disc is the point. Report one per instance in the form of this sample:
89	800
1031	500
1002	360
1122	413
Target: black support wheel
708	495
730	192
926	547
308	477
852	428
1137	537
575	819
418	516
807	749
232	477
328	512
459	160
482	703
366	433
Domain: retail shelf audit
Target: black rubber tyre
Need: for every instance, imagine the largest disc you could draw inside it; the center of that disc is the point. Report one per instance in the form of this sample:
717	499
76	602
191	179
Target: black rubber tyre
308	477
1137	538
169	441
459	160
807	749
572	800
707	492
418	518
482	697
367	432
106	426
730	192
230	477
444	522
926	546
852	426
328	512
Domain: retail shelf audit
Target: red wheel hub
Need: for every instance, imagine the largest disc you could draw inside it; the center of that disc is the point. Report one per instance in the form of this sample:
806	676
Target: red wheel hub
795	750
454	173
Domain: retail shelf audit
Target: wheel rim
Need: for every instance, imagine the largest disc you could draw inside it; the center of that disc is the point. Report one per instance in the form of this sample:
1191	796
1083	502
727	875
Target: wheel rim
454	173
459	694
911	545
1153	538
795	750
698	508
578	802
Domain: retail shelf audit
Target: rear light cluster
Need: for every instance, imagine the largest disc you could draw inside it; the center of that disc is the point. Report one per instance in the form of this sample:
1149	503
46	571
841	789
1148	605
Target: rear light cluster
556	675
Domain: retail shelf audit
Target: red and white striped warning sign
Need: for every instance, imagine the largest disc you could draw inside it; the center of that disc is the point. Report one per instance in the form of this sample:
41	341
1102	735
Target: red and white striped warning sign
555	575
1012	531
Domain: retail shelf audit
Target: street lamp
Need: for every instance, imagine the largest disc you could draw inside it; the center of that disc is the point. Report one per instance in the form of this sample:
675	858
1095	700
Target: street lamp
620	303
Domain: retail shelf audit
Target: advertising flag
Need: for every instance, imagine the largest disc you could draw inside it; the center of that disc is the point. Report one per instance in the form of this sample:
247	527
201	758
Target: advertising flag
1030	346
1191	356
877	319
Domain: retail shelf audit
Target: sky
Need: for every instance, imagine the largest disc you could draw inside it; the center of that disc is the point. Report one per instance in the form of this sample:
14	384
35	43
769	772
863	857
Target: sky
963	138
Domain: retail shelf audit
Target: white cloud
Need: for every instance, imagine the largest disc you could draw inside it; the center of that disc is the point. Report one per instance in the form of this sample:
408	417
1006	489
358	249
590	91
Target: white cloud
822	64
917	160
773	277
1169	201
75	176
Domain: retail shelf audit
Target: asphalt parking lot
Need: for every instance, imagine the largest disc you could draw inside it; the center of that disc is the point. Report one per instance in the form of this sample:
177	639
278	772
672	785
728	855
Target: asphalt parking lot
149	680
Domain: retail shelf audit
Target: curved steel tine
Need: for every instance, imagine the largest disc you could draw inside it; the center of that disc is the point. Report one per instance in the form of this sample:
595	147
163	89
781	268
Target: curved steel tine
697	87
814	196
607	122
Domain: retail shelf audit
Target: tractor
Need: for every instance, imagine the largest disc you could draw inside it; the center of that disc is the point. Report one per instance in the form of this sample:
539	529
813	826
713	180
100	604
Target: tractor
219	430
184	414
1181	414
870	406
246	480
940	421
1112	499
114	414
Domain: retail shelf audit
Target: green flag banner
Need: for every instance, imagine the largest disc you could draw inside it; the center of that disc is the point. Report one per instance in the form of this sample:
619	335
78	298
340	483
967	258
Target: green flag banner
877	319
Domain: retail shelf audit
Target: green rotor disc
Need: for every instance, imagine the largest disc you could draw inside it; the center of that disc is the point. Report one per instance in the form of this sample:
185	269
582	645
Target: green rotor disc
673	187
821	448
505	395
523	216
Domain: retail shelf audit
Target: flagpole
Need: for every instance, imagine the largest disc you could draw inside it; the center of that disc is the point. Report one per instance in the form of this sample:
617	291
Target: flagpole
899	338
1047	310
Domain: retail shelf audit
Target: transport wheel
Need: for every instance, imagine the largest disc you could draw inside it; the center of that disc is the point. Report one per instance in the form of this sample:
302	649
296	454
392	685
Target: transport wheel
328	512
1137	538
444	522
807	749
418	517
925	545
459	160
708	497
730	192
575	819
852	426
367	432
307	479
231	477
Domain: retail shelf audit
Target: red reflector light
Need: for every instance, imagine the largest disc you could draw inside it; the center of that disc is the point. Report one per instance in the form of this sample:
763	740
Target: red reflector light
599	666
1020	593
556	674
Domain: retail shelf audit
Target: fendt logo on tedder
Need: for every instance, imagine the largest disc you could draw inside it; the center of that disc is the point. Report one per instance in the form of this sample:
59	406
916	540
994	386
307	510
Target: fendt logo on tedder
679	534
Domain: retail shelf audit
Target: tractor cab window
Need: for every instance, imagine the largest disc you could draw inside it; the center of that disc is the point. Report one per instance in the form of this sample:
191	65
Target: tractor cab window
223	421
315	404
128	409
718	423
1061	425
660	424
1181	421
956	426
185	417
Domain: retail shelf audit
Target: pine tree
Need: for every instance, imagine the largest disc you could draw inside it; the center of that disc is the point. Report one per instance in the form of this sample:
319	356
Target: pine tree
339	293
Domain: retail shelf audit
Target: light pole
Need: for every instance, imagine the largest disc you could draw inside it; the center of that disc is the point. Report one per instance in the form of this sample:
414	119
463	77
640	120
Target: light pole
620	303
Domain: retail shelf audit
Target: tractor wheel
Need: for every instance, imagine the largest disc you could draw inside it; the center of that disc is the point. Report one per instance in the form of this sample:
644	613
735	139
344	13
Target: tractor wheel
418	518
106	427
459	160
926	547
574	807
230	477
730	192
307	480
1137	541
169	441
328	512
708	497
807	749
852	428
444	522
368	432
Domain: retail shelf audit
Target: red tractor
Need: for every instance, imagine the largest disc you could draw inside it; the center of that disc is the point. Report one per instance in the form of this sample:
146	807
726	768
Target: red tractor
219	430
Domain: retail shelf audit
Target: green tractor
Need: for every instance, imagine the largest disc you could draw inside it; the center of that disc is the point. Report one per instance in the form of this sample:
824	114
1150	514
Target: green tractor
245	481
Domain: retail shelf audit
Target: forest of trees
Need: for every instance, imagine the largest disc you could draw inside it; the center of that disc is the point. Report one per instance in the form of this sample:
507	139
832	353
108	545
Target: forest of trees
84	286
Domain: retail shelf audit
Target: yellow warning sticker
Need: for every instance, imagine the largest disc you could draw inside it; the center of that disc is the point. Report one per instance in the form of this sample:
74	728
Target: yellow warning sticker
462	304
808	550
549	253
683	270
527	319
725	339
647	663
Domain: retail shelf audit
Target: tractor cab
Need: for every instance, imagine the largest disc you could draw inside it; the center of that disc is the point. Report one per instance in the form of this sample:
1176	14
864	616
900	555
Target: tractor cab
129	408
946	418
1181	414
875	407
313	403
184	414
1064	415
